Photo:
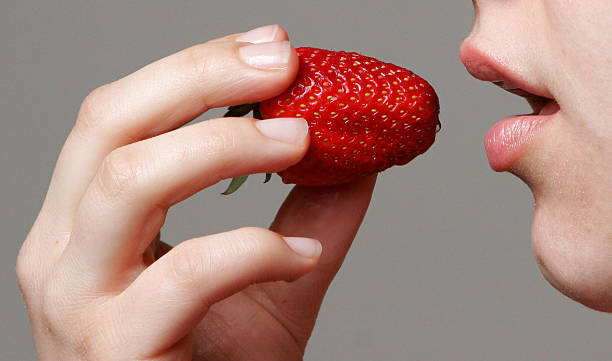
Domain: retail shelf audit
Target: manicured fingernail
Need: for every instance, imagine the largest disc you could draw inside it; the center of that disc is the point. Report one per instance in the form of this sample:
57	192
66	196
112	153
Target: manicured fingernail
288	130
271	55
306	247
262	34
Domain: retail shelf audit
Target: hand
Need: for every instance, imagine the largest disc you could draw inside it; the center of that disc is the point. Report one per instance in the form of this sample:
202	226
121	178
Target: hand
98	282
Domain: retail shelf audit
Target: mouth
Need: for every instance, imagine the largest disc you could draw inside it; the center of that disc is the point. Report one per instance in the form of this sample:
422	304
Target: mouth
508	139
536	102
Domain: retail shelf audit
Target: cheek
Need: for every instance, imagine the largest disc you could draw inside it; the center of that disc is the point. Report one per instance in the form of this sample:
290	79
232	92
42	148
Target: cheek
578	51
574	254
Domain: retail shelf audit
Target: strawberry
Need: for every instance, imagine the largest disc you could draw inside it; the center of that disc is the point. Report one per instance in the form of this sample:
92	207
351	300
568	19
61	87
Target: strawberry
364	115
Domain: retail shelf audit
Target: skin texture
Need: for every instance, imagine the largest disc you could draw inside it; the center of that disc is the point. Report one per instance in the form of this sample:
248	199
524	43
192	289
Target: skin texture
100	285
560	49
98	282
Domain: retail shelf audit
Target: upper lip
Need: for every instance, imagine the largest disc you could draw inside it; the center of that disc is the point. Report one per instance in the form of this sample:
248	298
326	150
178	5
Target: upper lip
487	68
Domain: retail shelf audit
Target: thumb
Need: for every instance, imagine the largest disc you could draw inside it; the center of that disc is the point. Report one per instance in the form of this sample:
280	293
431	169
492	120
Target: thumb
170	297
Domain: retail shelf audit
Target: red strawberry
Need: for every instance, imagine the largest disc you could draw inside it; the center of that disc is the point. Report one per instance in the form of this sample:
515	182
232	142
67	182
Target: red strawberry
364	115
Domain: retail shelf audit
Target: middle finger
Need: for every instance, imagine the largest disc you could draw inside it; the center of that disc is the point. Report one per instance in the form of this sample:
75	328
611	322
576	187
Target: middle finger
126	204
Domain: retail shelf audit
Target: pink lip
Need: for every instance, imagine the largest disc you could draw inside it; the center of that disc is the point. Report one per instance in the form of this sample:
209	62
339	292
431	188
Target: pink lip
484	66
507	140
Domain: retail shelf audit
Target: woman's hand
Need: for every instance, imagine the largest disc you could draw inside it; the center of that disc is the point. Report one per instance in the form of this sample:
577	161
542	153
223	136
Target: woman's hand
97	281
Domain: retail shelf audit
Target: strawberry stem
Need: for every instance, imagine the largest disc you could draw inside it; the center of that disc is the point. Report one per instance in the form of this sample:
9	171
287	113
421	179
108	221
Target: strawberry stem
235	184
240	111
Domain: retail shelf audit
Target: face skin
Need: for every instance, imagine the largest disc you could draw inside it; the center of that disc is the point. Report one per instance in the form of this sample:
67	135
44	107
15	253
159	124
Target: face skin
561	50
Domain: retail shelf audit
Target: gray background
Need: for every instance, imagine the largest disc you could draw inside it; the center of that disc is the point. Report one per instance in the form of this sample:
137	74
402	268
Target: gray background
442	268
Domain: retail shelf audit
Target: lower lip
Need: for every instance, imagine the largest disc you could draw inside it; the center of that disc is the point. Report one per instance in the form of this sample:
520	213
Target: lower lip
507	140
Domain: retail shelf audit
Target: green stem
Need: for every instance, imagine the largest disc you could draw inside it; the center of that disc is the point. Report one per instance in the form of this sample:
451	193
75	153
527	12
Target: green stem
235	184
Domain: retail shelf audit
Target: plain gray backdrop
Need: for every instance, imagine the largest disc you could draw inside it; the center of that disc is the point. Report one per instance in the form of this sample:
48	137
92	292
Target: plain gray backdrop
442	268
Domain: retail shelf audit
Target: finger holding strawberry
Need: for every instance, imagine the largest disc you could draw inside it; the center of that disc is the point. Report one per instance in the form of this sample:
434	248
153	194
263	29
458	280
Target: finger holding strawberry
98	281
364	116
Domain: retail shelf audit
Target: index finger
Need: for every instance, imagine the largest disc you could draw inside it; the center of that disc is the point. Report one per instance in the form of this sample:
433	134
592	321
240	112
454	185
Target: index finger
163	96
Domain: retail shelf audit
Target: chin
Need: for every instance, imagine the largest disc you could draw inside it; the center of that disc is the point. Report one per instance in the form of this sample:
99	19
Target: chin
563	153
573	258
572	226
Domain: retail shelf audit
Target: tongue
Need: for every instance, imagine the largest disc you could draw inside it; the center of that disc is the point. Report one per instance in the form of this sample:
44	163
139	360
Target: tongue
550	108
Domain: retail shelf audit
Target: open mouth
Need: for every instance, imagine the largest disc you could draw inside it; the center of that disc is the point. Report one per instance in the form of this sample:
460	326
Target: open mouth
508	139
537	103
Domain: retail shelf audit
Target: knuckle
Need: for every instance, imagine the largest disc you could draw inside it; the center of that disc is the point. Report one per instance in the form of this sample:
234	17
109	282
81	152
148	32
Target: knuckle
94	109
24	271
255	240
198	60
253	233
193	260
221	137
222	146
187	265
118	173
35	263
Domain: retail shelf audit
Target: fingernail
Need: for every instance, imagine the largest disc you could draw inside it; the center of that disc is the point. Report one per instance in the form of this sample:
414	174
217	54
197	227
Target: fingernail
306	247
271	55
262	34
288	130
